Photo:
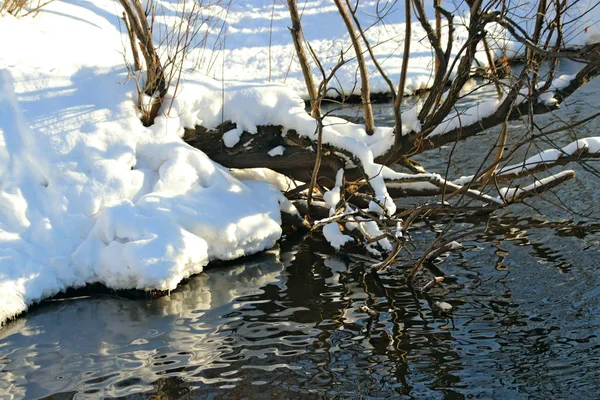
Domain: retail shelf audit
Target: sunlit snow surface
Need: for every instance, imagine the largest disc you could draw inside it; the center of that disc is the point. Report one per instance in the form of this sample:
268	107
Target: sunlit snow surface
87	194
90	195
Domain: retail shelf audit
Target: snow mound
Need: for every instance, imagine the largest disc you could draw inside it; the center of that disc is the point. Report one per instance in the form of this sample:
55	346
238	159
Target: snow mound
90	195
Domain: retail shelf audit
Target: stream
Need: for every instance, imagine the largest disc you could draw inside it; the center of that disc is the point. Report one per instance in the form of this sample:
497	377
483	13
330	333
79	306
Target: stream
287	323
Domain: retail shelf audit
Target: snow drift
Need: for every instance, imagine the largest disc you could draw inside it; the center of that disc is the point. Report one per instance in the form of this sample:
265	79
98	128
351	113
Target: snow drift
90	195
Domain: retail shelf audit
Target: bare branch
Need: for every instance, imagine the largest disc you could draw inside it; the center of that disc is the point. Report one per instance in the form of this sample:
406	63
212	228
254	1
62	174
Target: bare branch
365	91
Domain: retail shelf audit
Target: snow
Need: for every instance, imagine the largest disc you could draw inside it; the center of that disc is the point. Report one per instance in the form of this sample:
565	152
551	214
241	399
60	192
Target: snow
587	30
250	59
390	174
410	120
467	117
370	230
591	145
282	182
333	196
512	194
207	102
88	193
455	246
334	236
562	81
276	151
250	29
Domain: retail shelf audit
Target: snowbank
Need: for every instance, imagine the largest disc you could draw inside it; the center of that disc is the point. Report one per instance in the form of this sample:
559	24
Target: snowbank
90	195
258	46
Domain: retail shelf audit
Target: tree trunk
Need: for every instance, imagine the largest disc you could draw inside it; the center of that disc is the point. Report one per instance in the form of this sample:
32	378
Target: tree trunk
365	91
297	38
156	85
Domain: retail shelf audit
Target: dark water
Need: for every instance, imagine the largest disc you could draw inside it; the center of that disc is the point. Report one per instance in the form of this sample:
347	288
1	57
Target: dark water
287	324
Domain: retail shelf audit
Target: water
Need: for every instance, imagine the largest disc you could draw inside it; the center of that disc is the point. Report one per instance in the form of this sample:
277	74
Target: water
287	323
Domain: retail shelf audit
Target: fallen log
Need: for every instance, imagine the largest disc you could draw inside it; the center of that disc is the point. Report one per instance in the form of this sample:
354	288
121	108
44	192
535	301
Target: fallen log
252	151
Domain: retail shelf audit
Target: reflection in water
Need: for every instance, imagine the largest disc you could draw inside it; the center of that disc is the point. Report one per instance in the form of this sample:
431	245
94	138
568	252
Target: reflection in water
288	324
119	346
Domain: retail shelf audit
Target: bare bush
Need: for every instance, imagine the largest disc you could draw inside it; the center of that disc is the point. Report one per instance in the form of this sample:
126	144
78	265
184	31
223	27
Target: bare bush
155	85
164	49
23	7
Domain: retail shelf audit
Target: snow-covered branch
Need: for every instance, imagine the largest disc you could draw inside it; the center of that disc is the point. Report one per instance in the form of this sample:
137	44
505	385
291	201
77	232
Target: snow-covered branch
580	149
513	195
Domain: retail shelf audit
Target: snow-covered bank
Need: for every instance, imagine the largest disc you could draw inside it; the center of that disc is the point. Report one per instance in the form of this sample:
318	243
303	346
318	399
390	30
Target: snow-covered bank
91	195
258	45
87	193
